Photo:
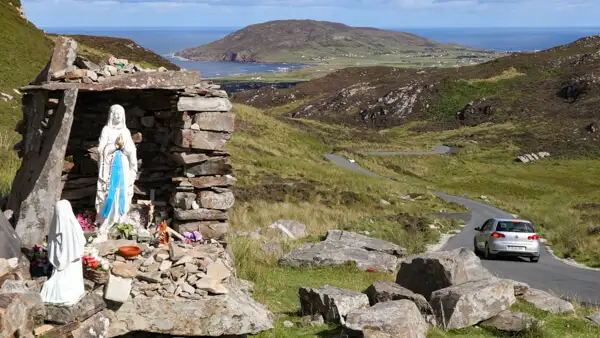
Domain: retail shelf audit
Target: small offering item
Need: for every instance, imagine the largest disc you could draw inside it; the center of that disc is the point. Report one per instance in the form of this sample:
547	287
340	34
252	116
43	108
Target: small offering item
129	251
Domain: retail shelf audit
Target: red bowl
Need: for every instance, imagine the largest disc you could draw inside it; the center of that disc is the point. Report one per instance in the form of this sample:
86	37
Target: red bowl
129	251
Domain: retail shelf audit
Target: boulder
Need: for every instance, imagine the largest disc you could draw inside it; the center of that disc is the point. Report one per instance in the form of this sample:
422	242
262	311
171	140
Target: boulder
17	315
286	229
329	253
361	241
398	319
94	327
594	319
545	301
520	287
510	321
467	304
88	306
213	166
424	274
331	302
125	270
233	314
386	291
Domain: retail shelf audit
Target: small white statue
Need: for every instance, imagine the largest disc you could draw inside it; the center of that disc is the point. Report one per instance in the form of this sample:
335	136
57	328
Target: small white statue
117	164
66	243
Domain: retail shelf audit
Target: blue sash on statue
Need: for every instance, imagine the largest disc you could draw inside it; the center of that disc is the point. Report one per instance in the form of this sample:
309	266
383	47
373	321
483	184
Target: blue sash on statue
117	183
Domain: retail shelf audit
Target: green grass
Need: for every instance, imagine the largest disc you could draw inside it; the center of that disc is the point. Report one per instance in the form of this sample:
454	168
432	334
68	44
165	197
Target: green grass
282	175
543	192
553	326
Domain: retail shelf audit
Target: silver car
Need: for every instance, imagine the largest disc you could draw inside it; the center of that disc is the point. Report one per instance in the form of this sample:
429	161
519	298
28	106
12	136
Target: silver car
507	237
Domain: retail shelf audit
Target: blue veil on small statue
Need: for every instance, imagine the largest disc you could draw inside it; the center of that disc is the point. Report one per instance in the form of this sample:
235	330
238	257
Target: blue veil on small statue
117	171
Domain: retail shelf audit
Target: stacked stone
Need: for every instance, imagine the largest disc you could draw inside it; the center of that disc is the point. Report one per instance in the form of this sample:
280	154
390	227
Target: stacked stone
203	126
82	70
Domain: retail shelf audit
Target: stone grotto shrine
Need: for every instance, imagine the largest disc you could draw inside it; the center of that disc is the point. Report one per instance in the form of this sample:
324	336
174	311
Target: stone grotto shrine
183	280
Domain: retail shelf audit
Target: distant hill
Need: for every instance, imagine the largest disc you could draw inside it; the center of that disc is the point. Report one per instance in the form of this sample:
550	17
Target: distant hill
553	96
297	40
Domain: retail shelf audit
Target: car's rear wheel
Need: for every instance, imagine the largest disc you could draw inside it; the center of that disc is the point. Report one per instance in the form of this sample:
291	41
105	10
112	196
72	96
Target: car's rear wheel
534	259
487	253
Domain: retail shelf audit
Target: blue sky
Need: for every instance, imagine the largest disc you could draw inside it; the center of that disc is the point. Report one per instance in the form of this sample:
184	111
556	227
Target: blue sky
374	13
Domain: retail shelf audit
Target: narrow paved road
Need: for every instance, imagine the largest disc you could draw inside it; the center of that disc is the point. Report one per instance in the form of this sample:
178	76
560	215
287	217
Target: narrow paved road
548	274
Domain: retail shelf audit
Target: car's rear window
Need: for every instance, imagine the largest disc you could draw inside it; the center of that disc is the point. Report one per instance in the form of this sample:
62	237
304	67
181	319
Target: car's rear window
514	227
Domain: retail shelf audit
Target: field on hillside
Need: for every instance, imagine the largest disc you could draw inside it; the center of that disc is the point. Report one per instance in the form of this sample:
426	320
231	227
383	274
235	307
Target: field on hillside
282	175
403	59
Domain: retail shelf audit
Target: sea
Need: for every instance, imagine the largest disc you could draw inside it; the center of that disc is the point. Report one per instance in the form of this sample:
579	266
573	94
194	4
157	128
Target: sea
166	41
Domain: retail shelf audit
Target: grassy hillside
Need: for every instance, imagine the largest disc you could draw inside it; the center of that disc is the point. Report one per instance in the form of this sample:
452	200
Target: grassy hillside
99	48
523	103
24	52
282	175
320	42
554	93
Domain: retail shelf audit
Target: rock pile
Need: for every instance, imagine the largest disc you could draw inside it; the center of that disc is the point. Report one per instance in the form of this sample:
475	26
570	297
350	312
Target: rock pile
448	289
176	271
341	247
78	69
176	289
532	157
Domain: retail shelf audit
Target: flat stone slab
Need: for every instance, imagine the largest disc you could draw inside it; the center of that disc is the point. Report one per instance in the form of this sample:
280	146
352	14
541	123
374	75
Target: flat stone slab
232	314
547	302
510	321
400	318
361	241
467	304
331	302
329	253
88	306
174	80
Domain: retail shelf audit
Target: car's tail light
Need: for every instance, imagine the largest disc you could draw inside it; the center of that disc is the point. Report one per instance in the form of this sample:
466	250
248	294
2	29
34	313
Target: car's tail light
497	235
533	237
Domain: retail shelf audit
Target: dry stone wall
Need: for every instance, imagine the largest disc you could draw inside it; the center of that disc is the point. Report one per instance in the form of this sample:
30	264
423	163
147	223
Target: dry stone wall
179	123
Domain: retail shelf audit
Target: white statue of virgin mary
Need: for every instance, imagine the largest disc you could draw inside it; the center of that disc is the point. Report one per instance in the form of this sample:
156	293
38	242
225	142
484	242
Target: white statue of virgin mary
66	243
117	164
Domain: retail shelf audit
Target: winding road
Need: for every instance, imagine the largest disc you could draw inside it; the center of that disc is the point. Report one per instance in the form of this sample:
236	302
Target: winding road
548	274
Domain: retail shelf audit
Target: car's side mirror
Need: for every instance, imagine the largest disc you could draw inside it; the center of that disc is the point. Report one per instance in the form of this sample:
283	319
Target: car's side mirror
478	229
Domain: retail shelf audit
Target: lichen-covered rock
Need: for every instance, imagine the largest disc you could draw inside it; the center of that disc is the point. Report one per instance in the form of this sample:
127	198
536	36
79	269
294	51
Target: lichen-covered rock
88	306
368	243
398	319
510	321
386	291
232	314
331	302
545	301
329	253
215	200
424	274
15	315
94	327
467	304
286	229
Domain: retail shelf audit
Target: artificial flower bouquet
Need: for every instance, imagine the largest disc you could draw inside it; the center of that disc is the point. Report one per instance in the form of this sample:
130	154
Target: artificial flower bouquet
86	220
95	268
38	258
194	237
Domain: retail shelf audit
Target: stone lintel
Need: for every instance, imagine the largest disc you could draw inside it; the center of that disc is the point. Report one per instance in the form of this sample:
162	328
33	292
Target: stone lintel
171	80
